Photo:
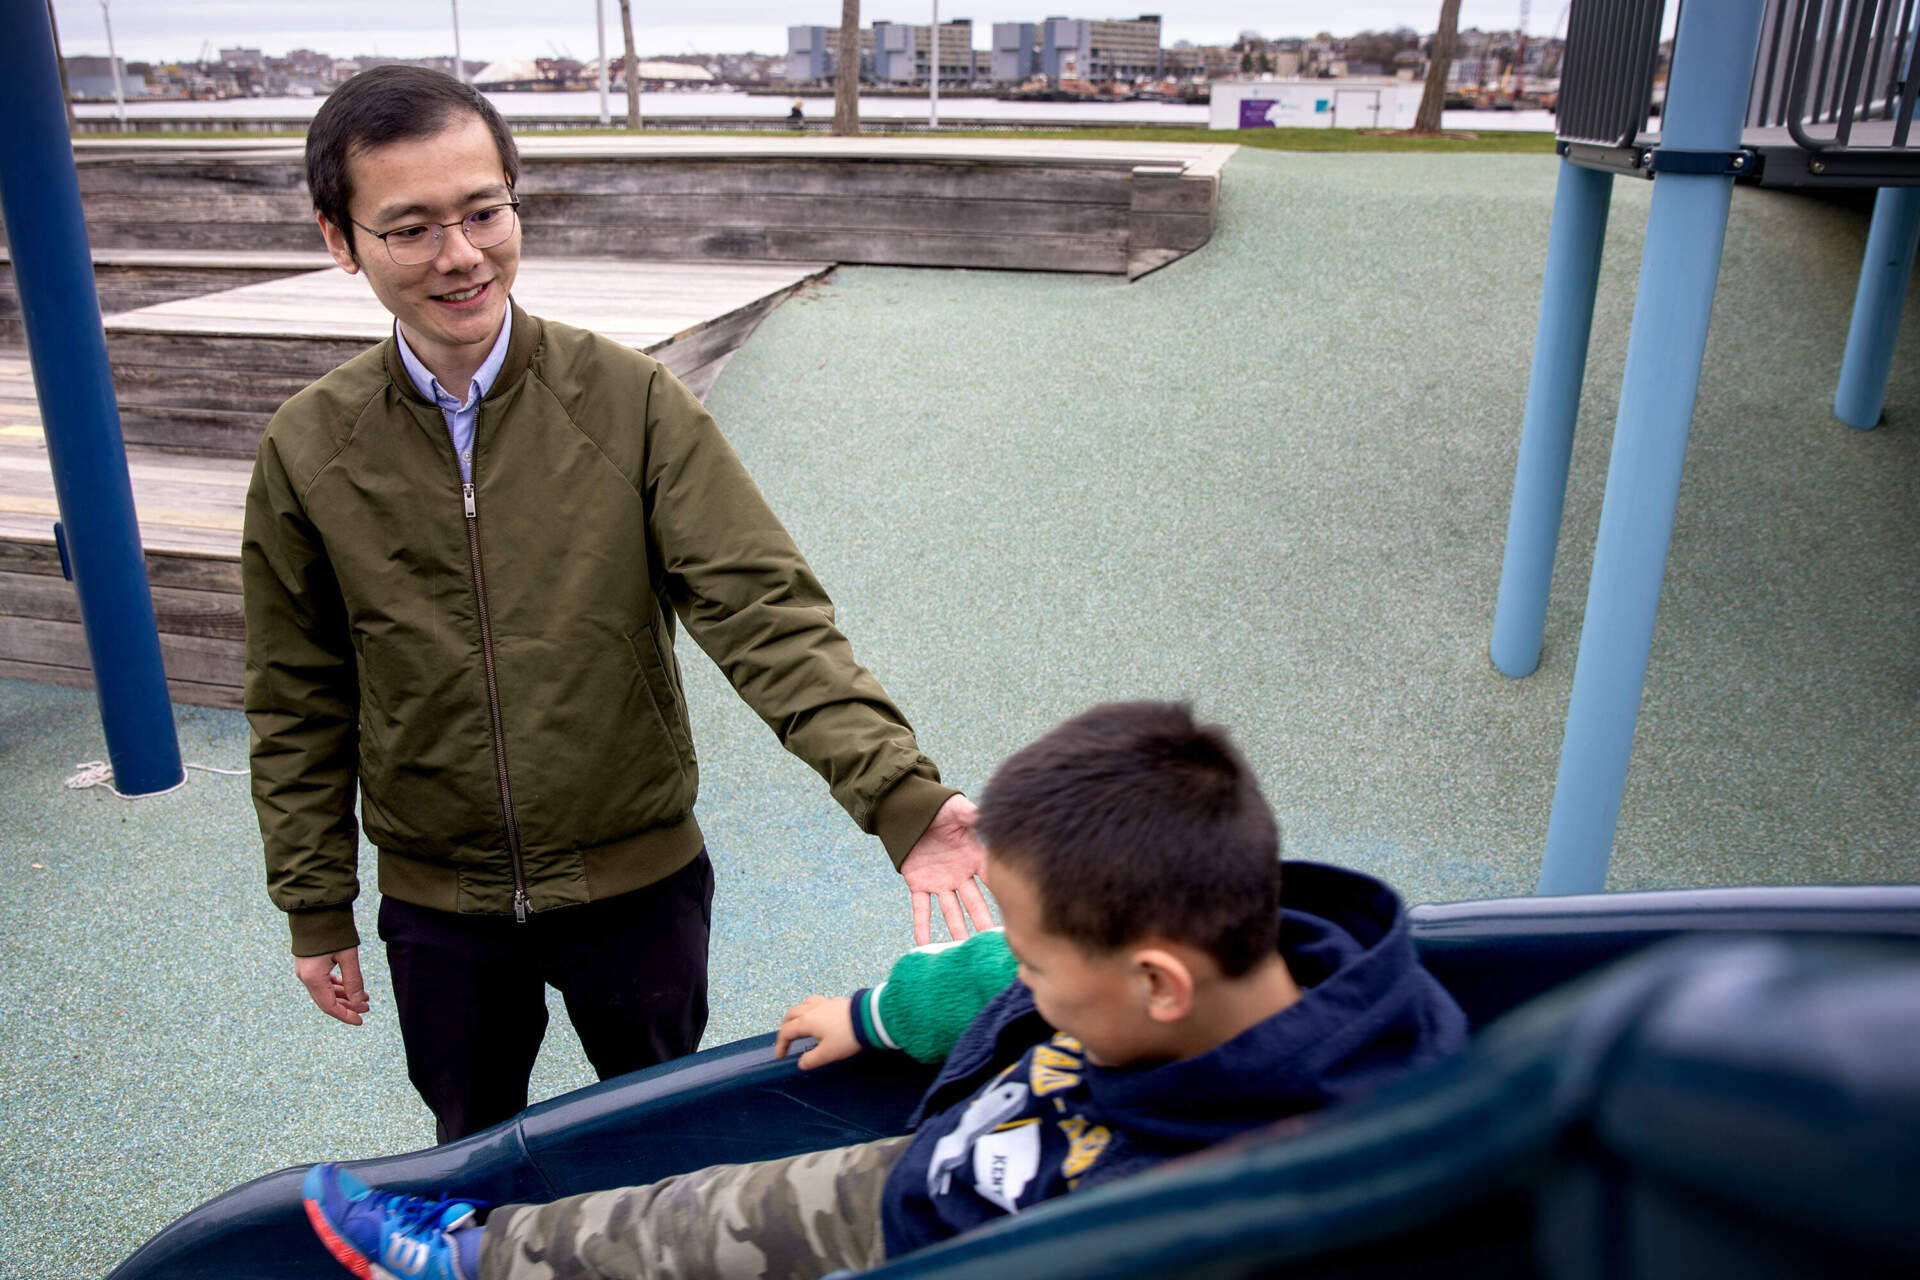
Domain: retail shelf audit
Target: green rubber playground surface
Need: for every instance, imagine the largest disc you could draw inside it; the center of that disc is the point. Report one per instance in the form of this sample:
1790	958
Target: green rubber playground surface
1271	478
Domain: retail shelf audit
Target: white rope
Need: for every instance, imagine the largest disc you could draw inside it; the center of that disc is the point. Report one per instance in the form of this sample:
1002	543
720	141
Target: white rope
98	773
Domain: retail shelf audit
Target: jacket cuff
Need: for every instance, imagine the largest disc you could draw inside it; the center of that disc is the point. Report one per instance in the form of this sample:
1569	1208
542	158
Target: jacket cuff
862	1028
903	812
868	1030
323	930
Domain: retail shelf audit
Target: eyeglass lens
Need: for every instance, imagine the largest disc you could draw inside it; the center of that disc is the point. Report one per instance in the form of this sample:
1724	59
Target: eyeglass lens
484	228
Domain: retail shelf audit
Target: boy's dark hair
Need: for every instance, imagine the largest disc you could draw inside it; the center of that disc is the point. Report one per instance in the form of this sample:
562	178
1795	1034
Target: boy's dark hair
1131	820
389	104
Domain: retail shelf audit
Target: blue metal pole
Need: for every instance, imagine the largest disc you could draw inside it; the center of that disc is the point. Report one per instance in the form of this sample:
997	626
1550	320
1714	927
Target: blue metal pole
1885	270
1560	342
1706	97
53	270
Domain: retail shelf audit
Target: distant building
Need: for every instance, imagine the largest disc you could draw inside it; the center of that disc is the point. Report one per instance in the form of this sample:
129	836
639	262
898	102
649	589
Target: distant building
812	54
1015	56
248	58
893	54
1205	62
92	77
307	62
1092	50
902	53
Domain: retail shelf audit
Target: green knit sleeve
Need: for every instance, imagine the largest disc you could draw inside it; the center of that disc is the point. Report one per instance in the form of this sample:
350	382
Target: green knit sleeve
934	992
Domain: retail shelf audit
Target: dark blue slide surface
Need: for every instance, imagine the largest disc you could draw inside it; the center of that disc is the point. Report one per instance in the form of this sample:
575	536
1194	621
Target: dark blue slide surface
1678	1083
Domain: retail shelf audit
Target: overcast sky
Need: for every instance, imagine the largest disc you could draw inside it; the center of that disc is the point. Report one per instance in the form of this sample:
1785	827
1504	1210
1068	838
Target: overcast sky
145	30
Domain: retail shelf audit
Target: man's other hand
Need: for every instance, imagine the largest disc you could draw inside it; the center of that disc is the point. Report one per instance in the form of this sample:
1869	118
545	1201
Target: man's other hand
339	994
828	1020
944	863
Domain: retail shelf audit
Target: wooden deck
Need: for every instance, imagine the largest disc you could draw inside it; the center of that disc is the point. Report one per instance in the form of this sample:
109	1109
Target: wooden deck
253	346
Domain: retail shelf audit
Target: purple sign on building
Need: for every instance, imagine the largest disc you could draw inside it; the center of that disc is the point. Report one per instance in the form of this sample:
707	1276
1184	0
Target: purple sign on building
1253	113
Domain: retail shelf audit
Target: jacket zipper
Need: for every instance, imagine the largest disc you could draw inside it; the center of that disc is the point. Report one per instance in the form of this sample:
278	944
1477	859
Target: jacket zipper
493	692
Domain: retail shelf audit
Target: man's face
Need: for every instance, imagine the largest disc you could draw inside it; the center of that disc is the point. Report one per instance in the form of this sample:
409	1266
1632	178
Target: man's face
1096	998
450	308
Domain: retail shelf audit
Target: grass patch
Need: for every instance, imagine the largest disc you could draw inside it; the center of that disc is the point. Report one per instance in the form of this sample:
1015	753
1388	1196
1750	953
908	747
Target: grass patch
1527	143
1507	142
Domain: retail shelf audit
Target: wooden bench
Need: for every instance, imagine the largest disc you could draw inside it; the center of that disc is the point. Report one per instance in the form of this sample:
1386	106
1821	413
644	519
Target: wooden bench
1115	208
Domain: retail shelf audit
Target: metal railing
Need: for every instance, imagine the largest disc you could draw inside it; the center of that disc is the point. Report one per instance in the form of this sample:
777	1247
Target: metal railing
1829	66
1606	87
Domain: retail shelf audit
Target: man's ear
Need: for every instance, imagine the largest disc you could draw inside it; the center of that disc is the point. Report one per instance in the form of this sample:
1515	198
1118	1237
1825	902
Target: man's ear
338	245
1167	982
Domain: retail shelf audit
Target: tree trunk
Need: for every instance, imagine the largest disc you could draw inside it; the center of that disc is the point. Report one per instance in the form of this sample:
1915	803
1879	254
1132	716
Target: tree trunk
633	66
846	76
1434	97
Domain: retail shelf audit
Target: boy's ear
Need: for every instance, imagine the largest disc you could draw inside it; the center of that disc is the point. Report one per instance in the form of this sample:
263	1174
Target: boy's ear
337	245
1167	982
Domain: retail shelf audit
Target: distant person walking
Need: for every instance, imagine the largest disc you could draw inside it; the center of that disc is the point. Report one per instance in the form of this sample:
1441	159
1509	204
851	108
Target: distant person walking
797	116
466	554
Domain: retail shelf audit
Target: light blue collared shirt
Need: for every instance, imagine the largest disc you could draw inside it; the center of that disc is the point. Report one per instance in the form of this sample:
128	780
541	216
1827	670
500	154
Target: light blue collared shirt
460	415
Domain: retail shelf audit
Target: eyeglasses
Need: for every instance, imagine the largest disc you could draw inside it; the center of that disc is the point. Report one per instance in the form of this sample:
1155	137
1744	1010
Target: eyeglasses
413	245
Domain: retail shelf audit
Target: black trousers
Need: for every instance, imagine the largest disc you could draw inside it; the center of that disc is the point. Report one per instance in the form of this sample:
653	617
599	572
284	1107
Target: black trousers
471	991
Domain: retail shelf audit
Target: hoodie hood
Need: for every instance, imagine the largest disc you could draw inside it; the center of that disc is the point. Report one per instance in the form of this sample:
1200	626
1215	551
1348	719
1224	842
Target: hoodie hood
1367	1013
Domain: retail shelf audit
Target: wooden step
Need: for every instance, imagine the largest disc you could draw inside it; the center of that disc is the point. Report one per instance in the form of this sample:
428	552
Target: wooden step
204	374
127	279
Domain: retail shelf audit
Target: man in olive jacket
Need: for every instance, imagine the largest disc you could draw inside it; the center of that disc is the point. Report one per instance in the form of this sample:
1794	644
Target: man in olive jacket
464	558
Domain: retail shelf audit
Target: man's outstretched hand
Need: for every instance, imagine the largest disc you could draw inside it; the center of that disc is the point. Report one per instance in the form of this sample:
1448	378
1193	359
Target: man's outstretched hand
944	863
339	994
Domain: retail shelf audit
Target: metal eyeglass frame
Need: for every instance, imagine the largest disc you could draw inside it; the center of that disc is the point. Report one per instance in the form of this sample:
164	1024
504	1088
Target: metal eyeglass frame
439	232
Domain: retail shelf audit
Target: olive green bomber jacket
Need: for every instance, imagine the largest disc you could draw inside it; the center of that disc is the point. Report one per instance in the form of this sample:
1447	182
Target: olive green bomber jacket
493	665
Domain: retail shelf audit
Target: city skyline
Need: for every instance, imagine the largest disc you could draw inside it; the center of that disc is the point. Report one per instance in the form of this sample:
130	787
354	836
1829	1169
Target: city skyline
490	30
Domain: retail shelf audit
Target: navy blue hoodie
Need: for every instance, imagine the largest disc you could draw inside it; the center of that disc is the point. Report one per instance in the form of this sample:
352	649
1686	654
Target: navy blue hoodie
1017	1115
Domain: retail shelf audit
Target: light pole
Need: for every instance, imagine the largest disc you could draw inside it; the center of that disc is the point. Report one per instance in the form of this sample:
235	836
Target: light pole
459	62
933	71
113	63
600	30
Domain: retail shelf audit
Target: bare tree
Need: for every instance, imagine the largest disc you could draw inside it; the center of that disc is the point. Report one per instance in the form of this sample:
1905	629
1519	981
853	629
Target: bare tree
846	78
633	67
1434	96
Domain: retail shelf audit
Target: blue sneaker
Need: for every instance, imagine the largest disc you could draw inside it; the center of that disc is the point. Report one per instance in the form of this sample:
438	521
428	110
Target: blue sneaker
383	1235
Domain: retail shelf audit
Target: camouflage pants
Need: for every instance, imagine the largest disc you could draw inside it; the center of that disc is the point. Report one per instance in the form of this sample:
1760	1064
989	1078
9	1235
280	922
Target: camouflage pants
791	1219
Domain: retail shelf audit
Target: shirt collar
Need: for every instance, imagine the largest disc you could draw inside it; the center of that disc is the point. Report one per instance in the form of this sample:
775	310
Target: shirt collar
483	378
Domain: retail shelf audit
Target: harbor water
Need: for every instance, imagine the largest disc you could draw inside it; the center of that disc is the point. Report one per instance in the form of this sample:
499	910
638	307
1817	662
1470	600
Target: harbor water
763	107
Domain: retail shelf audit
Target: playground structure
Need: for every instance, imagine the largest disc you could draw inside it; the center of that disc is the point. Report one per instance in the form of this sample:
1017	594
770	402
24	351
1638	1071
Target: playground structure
1786	92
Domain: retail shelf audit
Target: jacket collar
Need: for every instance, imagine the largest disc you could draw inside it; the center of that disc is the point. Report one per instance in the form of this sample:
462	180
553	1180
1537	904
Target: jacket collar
522	341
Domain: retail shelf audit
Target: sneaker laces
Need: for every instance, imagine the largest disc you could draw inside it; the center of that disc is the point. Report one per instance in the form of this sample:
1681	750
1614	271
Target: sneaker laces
418	1218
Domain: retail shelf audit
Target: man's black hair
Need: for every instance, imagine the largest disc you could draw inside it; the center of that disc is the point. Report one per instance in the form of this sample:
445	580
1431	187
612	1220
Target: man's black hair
389	104
1133	821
